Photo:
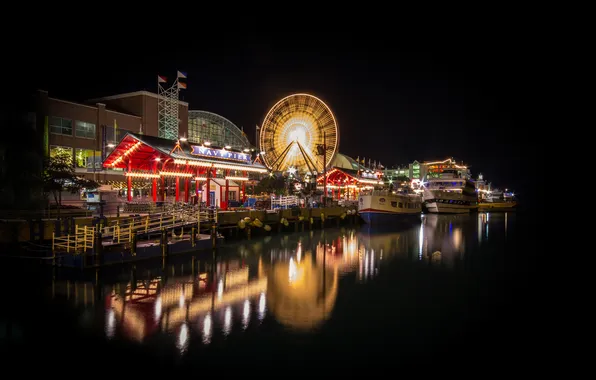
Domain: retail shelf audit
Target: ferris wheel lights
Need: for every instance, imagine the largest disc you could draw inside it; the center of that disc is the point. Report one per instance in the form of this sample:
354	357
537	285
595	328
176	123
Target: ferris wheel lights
293	128
262	152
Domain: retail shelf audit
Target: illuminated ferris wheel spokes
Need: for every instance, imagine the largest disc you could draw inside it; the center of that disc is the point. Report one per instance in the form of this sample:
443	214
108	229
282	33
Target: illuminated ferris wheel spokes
282	160
293	129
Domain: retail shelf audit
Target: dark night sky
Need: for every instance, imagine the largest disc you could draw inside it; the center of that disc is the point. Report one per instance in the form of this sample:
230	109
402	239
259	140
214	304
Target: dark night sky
396	99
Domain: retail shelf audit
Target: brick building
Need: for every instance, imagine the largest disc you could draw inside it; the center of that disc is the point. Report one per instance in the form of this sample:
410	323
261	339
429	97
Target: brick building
90	130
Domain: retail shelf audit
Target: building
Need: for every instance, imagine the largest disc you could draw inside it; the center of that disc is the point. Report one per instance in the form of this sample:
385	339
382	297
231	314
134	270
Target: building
179	170
90	130
217	193
211	129
345	178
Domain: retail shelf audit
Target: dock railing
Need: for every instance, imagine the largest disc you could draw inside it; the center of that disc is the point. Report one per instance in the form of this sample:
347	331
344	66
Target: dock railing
81	241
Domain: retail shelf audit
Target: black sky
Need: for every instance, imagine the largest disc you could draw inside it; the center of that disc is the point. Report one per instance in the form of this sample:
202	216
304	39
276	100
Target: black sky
396	98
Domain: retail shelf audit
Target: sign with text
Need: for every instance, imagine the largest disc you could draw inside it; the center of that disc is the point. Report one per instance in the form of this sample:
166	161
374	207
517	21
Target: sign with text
220	153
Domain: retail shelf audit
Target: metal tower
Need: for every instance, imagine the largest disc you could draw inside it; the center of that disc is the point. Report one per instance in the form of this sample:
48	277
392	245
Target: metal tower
167	106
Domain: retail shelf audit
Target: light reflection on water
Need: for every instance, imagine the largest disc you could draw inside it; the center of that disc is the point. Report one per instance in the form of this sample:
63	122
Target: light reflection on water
291	280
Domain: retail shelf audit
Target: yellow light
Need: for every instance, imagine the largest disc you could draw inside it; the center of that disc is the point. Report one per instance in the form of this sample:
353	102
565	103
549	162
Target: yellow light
128	152
175	174
298	119
232	178
141	175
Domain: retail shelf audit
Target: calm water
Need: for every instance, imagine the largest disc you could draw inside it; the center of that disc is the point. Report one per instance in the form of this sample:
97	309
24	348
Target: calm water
442	291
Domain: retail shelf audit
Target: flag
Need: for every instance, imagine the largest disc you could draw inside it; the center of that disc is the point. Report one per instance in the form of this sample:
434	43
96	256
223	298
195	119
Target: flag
181	75
161	79
181	85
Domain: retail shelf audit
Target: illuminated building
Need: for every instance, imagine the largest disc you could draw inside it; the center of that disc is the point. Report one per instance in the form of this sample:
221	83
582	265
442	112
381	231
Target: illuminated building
346	177
91	129
164	163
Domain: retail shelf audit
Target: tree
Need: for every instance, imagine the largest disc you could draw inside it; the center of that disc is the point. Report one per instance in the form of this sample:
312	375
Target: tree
271	184
59	175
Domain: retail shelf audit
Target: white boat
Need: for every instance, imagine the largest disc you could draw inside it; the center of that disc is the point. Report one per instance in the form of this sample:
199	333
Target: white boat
450	193
385	207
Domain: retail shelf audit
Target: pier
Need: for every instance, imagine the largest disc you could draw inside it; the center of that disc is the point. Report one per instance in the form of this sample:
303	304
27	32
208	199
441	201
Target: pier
87	242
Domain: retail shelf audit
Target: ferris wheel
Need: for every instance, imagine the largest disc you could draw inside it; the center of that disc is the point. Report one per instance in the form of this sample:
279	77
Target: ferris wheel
299	134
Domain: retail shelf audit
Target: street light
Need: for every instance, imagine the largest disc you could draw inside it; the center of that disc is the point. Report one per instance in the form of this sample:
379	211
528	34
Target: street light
322	151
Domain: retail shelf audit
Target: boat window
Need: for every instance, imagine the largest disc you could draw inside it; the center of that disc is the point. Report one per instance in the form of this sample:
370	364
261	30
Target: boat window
393	204
401	205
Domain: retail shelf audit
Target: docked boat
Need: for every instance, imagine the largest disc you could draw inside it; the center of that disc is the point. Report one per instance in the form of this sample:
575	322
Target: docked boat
496	206
386	207
450	193
496	200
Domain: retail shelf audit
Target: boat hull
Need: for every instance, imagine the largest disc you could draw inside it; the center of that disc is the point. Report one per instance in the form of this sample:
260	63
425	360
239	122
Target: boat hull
497	206
379	208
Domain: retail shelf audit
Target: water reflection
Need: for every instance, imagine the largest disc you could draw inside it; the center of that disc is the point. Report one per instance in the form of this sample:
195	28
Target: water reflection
292	281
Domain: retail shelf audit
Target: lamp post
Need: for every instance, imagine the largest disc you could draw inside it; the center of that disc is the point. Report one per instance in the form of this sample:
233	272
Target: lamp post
322	150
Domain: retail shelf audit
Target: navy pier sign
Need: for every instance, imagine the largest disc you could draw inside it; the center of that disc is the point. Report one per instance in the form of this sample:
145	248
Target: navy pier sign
220	153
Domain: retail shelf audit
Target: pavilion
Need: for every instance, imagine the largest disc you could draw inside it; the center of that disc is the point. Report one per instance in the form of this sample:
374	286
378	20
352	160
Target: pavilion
162	160
346	177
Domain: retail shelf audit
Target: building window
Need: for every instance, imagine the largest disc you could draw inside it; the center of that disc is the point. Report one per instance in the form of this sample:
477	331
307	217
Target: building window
114	136
87	158
60	126
231	195
85	130
55	150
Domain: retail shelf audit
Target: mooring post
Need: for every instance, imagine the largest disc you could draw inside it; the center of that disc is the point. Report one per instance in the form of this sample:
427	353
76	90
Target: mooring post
214	235
163	242
133	244
98	248
192	238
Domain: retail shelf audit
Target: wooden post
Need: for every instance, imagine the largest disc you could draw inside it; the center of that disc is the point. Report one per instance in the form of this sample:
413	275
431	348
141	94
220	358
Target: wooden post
98	248
133	244
163	242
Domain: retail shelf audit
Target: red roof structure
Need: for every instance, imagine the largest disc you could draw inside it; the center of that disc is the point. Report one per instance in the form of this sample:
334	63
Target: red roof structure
155	158
346	183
